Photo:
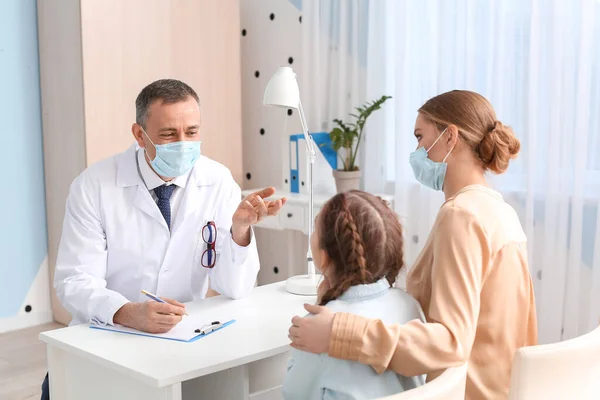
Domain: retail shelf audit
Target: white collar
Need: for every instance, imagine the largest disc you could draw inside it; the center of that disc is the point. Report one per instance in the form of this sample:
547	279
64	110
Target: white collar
151	179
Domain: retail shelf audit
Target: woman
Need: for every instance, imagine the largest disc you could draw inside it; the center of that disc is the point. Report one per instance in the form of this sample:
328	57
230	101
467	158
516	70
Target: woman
357	245
471	279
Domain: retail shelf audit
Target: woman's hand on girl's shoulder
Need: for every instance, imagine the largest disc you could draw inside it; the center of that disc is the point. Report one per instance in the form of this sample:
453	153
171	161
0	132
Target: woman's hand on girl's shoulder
313	333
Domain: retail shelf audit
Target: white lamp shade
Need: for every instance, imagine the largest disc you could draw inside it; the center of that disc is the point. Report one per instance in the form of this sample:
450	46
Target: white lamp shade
282	89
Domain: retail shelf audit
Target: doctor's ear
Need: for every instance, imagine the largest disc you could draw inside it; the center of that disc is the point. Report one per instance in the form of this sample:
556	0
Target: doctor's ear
136	130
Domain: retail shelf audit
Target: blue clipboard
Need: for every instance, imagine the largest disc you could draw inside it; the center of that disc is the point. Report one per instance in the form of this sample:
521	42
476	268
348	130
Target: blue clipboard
130	331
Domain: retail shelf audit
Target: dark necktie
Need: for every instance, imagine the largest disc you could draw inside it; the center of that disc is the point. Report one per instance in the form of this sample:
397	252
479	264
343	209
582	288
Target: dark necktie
164	193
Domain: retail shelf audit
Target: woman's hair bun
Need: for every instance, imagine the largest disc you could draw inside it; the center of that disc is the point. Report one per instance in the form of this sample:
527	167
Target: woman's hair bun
498	147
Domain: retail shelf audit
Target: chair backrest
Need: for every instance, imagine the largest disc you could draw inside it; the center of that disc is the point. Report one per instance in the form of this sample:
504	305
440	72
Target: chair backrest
450	385
564	370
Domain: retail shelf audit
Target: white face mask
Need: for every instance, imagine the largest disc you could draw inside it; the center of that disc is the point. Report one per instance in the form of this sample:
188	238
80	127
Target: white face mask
429	173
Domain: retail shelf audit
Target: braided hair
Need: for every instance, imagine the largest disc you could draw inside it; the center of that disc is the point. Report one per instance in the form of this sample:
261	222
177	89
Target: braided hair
363	238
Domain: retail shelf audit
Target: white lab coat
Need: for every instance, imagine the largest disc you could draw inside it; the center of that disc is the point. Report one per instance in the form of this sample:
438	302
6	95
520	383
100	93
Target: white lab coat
115	241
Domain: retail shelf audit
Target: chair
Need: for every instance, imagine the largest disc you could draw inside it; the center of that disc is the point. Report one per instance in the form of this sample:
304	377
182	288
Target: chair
564	370
450	385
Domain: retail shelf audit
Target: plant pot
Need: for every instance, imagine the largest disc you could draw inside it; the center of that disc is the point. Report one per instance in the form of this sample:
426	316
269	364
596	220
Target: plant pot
347	180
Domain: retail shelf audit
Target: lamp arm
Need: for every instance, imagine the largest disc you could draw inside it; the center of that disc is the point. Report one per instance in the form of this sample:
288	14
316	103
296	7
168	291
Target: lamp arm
311	155
307	136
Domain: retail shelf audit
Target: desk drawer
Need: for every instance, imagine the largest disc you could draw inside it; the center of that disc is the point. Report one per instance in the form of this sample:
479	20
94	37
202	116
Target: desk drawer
292	217
266	376
272	394
270	223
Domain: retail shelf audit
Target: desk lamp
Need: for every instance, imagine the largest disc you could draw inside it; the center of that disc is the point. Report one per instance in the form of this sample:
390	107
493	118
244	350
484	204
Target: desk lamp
282	91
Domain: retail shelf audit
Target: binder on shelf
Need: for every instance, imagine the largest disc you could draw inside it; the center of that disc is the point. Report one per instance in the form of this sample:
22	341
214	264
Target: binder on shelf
294	177
298	162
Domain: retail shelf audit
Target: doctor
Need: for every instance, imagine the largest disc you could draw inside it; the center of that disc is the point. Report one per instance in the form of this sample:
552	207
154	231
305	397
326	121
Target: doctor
160	217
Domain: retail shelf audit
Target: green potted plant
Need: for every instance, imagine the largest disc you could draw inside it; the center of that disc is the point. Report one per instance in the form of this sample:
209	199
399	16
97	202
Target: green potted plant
345	140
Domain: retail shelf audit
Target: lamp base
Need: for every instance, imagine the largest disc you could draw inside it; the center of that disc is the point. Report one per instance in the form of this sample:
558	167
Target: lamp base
303	285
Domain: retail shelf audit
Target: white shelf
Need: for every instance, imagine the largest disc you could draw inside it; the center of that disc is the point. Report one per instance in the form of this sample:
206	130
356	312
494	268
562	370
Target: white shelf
294	214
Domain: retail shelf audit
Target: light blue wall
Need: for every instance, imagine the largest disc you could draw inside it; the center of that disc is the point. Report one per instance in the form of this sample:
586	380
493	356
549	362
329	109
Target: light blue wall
22	204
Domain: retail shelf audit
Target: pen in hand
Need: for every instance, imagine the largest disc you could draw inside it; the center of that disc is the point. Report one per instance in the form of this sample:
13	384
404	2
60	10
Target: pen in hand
156	298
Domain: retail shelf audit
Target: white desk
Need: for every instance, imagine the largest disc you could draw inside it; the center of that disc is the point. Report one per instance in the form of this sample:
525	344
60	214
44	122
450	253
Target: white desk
246	360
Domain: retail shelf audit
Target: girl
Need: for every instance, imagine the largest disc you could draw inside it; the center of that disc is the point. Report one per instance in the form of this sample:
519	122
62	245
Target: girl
357	244
472	277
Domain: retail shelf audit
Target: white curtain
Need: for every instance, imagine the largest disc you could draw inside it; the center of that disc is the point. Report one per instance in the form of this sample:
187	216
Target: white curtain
538	62
333	73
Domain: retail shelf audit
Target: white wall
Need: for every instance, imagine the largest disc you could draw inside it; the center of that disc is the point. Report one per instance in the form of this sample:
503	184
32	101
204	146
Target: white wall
266	44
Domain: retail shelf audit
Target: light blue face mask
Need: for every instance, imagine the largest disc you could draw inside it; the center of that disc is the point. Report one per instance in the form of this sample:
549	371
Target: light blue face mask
174	159
428	172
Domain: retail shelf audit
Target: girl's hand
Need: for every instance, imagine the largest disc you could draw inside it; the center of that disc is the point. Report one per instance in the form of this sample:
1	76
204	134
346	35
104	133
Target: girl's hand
312	333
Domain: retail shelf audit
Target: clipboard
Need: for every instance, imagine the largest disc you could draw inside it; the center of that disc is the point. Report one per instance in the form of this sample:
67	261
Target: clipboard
185	331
